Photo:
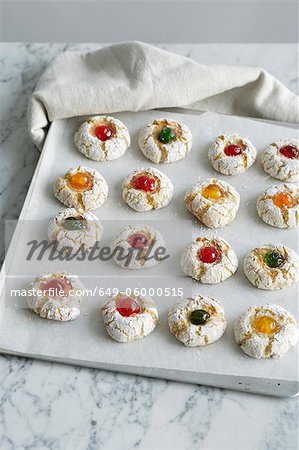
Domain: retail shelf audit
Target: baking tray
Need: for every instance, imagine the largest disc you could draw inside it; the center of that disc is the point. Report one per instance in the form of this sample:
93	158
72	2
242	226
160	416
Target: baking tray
84	342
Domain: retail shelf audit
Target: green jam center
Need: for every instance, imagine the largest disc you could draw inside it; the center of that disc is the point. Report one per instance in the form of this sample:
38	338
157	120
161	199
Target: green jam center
273	259
73	224
166	135
199	317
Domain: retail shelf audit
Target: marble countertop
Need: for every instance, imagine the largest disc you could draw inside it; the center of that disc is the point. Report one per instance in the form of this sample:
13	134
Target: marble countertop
52	406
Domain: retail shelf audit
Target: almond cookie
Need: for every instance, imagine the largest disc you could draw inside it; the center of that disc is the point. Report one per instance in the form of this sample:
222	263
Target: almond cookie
56	296
71	231
129	318
147	189
81	188
213	202
281	160
266	331
135	247
102	138
278	206
197	321
209	260
165	141
272	266
231	154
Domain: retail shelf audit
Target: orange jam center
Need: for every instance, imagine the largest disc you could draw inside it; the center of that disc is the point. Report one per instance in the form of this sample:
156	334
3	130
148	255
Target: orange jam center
265	324
283	200
212	192
80	181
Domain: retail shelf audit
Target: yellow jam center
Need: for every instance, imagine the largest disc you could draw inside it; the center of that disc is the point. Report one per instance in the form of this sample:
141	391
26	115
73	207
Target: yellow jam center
283	200
80	181
265	324
212	192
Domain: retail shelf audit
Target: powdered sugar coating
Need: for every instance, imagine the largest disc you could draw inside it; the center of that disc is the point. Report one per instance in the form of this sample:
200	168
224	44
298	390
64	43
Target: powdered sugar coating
92	147
214	214
262	345
58	308
159	152
279	166
265	277
134	327
140	200
155	240
75	239
231	165
210	273
272	214
197	335
87	200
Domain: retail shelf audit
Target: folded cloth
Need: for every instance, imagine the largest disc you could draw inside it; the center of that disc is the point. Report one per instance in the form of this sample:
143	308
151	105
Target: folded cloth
134	76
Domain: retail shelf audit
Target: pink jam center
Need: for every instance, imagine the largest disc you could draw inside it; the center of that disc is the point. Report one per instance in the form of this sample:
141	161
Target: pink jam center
232	150
138	240
289	151
145	183
55	288
208	255
103	132
127	306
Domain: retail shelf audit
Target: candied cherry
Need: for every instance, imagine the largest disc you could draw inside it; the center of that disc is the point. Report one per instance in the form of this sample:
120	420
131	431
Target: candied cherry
166	135
283	200
199	317
289	151
144	183
80	181
127	306
138	240
232	150
273	259
208	255
265	324
56	287
212	192
103	132
73	223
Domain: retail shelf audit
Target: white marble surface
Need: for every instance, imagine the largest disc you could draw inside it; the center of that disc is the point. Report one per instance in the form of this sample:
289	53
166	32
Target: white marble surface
51	406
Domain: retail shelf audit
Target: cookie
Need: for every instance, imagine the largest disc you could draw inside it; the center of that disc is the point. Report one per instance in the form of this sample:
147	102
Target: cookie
197	321
81	188
129	318
72	231
281	160
213	202
147	189
56	296
102	138
231	154
209	260
135	247
165	141
278	206
271	266
266	331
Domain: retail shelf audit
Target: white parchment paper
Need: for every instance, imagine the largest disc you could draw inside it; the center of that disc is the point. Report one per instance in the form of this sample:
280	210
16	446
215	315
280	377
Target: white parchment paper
85	341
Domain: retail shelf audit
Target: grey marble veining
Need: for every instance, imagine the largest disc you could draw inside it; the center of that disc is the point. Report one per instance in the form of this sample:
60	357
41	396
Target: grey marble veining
52	406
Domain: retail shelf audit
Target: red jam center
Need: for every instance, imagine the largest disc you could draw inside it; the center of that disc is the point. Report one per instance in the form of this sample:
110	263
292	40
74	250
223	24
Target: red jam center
138	240
127	306
103	132
208	255
289	151
232	150
145	183
55	288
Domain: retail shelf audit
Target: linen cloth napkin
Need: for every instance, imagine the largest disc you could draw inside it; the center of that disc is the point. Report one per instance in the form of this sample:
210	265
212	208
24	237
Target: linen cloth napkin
135	76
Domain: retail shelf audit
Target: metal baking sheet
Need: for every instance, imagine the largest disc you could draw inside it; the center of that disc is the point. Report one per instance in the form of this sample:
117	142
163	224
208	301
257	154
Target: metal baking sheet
84	341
